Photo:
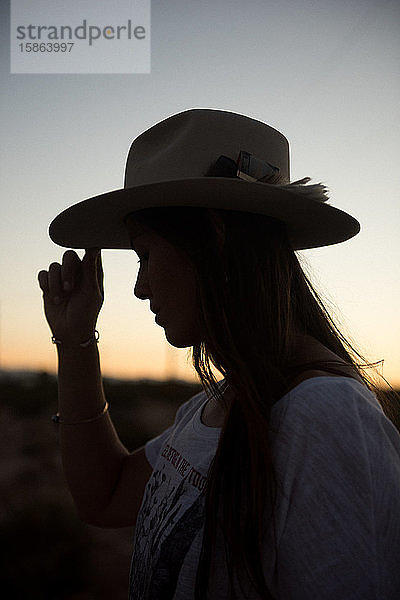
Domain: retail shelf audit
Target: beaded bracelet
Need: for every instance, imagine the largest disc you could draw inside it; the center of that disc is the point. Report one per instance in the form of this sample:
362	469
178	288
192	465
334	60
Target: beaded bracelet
91	340
57	420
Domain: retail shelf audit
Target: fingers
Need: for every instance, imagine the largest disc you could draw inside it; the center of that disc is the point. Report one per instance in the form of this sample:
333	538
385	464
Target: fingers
43	281
70	270
60	280
54	280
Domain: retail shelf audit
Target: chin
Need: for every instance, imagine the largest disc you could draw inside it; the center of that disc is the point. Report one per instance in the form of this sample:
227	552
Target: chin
180	339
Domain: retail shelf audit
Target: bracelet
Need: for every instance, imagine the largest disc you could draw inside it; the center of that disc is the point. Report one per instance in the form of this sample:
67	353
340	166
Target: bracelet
56	418
91	340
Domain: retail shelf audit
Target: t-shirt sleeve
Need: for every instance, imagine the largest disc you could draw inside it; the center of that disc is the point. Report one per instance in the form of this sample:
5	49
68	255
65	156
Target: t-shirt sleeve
337	461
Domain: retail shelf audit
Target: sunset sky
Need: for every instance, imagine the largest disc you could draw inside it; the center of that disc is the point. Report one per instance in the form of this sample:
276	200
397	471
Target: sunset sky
324	73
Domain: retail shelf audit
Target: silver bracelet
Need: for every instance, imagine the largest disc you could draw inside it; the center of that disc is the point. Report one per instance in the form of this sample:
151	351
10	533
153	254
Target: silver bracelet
91	340
56	418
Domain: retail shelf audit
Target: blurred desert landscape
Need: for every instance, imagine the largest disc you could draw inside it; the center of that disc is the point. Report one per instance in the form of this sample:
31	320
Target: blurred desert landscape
47	553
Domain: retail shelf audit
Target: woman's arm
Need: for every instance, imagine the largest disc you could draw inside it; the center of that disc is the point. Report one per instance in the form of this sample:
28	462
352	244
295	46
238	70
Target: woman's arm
94	459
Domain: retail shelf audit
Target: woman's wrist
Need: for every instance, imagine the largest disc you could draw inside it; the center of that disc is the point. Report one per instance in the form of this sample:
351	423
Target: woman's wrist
80	388
82	341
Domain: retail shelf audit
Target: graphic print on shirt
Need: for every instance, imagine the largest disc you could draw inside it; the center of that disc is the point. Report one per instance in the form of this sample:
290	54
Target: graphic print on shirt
165	530
173	551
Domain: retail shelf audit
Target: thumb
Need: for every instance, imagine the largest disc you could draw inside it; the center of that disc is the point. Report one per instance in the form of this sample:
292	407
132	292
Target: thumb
92	269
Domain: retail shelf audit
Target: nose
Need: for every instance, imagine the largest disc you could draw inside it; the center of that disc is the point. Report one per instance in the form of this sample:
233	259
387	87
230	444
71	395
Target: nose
141	287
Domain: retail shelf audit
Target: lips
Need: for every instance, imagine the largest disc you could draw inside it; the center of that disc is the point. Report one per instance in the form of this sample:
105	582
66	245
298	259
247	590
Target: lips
157	319
156	311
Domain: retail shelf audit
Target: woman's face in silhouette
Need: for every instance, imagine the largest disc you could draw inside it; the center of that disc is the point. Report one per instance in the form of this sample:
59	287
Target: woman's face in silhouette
167	278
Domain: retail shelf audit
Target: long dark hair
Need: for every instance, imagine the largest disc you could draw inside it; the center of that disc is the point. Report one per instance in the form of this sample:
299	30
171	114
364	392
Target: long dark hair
254	302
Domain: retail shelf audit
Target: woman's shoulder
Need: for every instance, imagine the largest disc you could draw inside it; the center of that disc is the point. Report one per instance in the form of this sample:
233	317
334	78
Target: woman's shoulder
334	420
318	384
325	399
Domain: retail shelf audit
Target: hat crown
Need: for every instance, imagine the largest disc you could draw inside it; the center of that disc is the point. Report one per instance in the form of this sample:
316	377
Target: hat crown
207	158
187	144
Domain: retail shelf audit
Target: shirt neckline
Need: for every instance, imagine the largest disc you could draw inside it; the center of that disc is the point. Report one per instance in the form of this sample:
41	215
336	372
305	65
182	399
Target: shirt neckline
213	432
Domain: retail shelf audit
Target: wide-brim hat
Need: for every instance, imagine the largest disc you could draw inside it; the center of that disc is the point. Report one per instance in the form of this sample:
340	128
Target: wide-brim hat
214	159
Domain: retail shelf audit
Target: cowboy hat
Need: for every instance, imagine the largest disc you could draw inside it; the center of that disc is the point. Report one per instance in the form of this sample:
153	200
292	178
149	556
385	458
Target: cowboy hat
214	159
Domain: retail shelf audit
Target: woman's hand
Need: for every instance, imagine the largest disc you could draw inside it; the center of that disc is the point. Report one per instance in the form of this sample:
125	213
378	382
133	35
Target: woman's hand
73	295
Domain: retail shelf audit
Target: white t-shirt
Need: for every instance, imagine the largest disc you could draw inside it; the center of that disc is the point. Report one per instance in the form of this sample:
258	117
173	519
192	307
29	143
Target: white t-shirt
337	523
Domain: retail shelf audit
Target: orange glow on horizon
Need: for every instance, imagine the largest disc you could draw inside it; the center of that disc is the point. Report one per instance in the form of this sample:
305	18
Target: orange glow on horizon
173	365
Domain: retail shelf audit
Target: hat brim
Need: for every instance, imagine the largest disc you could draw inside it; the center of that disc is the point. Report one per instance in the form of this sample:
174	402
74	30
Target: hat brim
98	222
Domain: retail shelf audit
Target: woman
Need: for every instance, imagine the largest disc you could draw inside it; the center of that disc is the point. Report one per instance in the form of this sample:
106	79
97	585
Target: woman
280	481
